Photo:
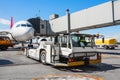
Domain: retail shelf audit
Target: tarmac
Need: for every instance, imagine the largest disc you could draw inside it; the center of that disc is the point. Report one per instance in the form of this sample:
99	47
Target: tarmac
16	66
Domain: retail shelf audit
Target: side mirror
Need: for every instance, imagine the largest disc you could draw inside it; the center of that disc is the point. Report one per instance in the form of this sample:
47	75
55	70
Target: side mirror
103	40
97	35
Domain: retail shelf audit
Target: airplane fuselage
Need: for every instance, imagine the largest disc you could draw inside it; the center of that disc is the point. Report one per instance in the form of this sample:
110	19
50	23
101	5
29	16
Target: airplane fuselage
22	31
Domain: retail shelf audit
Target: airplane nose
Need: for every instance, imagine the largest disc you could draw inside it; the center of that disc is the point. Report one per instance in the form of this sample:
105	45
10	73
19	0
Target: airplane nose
28	34
22	31
24	34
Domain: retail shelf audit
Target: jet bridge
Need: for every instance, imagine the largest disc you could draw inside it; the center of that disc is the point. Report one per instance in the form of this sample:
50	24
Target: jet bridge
103	15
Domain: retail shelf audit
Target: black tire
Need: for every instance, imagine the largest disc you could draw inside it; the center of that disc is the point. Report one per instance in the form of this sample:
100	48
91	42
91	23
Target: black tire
4	48
106	47
112	48
43	57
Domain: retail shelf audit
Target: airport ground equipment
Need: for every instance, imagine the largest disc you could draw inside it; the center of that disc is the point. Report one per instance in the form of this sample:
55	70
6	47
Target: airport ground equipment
5	42
65	50
58	52
106	43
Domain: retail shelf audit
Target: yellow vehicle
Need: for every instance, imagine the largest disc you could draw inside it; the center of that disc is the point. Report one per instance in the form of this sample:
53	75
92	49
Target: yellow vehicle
106	43
5	42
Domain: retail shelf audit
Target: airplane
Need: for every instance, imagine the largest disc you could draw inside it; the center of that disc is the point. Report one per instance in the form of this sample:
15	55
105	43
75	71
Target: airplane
20	31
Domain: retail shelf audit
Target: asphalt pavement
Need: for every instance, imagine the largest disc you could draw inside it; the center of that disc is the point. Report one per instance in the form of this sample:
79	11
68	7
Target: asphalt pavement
15	66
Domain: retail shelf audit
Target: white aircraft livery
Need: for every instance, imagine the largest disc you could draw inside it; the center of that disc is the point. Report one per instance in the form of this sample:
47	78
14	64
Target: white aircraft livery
22	31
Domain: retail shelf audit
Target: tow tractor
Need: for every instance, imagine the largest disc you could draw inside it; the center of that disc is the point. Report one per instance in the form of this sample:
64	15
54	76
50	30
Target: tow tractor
66	50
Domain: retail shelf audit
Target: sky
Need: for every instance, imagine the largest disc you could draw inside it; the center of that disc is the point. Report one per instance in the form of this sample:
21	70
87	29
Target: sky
25	9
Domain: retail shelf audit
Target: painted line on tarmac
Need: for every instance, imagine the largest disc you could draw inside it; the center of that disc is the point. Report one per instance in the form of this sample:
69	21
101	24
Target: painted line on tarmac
110	56
18	64
68	77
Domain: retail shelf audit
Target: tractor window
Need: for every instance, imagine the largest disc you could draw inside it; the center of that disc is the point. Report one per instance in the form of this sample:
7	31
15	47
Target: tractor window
75	40
82	41
63	41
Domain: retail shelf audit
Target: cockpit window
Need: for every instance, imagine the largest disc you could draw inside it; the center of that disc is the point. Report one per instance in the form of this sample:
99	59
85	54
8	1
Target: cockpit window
18	25
28	25
23	25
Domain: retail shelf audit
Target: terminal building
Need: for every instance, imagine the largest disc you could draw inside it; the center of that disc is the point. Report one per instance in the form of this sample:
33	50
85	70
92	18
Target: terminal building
41	27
